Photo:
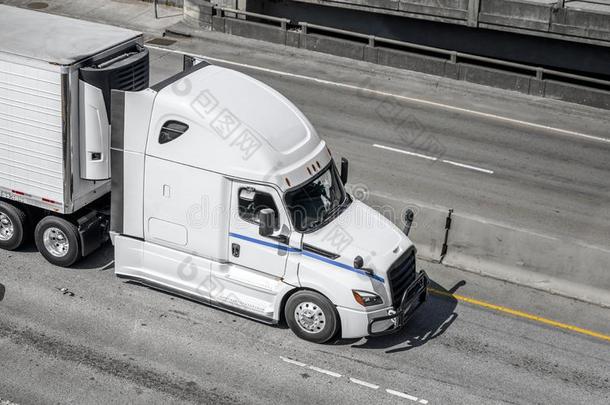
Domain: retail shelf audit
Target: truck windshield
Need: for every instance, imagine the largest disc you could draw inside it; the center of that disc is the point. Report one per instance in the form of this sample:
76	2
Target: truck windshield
318	201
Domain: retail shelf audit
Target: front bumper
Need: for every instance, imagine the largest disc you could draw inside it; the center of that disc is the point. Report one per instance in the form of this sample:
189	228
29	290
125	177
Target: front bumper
413	297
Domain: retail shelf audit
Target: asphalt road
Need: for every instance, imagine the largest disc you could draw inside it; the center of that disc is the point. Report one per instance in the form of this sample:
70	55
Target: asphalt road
116	342
107	341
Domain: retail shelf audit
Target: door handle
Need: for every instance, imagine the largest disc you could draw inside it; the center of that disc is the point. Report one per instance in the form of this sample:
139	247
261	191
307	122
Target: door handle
235	249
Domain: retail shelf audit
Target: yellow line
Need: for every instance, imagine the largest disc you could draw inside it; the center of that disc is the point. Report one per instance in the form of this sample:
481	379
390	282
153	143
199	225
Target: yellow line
522	314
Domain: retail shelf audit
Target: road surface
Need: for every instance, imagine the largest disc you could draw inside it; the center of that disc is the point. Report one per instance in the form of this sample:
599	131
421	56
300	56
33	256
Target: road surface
83	336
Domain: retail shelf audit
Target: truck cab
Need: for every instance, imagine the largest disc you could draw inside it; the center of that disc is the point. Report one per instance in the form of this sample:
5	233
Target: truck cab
223	192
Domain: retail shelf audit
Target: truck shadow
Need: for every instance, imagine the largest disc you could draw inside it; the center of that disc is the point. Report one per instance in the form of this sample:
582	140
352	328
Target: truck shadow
431	320
2	291
102	259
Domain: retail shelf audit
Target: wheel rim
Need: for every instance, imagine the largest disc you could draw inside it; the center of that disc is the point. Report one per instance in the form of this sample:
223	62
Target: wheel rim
310	317
56	242
7	230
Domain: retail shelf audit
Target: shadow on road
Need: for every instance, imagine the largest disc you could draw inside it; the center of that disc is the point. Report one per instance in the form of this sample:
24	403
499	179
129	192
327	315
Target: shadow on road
101	259
2	291
431	320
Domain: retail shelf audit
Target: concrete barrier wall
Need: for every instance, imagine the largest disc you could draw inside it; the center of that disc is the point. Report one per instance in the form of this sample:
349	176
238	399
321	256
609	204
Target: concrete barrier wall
173	3
558	265
576	94
555	265
255	30
199	13
494	77
335	46
411	61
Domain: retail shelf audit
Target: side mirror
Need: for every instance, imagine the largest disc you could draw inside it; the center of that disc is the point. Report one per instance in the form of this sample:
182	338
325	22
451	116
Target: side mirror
266	225
344	170
409	216
359	264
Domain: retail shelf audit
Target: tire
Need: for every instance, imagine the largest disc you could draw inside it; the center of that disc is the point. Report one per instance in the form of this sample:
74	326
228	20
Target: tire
58	241
311	316
13	226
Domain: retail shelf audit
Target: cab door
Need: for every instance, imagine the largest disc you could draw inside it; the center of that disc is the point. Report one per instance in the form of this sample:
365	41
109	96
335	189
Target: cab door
247	248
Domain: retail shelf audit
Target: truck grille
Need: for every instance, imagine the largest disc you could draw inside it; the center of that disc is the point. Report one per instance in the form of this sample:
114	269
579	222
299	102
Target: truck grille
401	275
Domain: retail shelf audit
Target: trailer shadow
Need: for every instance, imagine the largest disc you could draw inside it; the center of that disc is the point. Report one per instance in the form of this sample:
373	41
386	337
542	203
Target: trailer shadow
431	320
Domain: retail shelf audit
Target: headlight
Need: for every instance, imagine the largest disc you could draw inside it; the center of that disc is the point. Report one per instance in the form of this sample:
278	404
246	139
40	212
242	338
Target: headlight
366	299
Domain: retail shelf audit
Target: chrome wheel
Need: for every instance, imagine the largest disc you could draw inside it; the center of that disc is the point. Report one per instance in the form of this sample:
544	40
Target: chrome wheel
7	230
56	242
310	317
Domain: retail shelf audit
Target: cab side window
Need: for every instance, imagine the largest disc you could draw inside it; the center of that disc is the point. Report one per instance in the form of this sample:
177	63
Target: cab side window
251	202
172	130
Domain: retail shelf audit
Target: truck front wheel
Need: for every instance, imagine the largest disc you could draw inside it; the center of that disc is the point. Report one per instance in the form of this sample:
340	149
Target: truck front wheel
311	316
58	241
13	226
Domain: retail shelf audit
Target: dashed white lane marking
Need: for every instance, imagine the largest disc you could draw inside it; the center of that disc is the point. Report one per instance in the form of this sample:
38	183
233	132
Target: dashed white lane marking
405	152
402	395
355	381
296	363
432	158
397	96
465	166
321	370
364	383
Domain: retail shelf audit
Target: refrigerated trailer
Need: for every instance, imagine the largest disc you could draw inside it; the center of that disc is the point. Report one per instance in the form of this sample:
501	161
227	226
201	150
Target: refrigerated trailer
210	184
56	74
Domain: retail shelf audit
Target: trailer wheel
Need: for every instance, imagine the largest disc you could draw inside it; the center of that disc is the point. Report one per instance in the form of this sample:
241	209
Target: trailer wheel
311	316
58	241
13	226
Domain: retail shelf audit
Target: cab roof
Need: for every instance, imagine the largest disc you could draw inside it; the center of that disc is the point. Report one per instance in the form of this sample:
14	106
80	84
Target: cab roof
238	126
55	39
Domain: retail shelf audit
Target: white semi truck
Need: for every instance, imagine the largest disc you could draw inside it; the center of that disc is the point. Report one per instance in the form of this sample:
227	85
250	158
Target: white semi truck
211	185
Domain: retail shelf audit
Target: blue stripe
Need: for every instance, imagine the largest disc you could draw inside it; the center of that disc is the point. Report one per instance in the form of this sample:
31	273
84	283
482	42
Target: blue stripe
265	243
306	253
341	265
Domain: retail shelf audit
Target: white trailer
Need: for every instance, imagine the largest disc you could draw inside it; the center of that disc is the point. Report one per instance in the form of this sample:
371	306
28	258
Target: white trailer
221	191
56	74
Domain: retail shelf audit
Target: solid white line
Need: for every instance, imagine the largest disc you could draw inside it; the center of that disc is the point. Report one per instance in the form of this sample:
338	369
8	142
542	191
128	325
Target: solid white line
383	93
465	166
321	370
402	395
405	152
364	383
297	363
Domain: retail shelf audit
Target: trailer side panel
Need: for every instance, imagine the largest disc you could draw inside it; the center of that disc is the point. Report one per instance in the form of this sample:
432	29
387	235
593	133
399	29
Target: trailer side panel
31	135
